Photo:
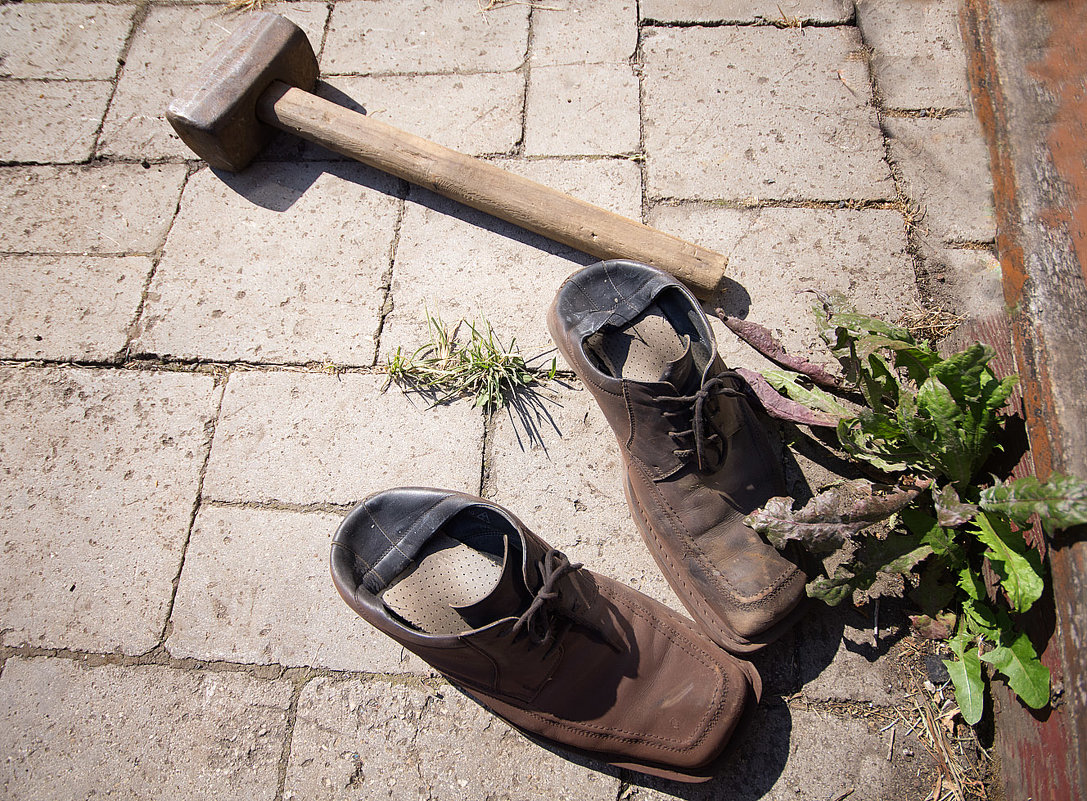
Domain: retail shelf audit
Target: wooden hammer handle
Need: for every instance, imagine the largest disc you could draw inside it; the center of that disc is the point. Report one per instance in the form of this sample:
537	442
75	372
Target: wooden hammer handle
484	186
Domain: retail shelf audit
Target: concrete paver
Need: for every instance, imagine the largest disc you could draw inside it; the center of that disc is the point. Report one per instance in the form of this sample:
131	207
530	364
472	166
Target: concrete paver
802	753
788	12
582	110
112	208
305	438
255	589
973	277
77	41
859	253
476	114
65	308
566	485
414	36
280	263
585	32
50	121
72	731
848	673
917	55
380	739
157	68
101	474
934	154
458	263
787	115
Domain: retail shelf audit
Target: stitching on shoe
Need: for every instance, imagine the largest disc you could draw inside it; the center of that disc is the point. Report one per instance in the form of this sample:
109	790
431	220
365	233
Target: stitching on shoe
712	713
585	293
715	575
773	588
373	571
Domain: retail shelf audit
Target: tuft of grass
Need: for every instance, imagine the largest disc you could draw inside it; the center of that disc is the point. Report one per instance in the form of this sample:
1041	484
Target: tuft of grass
245	5
479	367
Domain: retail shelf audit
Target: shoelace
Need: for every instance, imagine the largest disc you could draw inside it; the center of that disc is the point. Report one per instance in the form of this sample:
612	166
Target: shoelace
703	431
535	619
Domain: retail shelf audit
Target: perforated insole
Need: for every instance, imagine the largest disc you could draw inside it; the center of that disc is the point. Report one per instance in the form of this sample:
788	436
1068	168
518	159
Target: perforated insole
639	352
447	573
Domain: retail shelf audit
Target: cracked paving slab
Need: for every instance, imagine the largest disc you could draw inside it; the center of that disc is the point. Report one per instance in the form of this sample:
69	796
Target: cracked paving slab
71	731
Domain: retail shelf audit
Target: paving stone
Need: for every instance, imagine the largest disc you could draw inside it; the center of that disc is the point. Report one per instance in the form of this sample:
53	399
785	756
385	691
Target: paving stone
474	114
825	11
256	589
48	121
166	54
63	40
973	278
837	655
456	263
279	263
799	753
776	253
937	156
582	110
101	469
760	113
424	36
68	307
585	32
71	731
918	58
115	208
311	438
378	739
565	483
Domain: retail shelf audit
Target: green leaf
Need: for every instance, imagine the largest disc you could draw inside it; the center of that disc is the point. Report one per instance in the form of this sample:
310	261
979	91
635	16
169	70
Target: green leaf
940	539
859	324
831	590
979	618
1061	501
1026	675
872	438
1019	569
948	449
971	583
788	383
965	672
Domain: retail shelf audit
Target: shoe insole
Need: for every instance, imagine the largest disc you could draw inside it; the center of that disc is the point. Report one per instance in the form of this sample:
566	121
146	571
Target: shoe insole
446	573
642	351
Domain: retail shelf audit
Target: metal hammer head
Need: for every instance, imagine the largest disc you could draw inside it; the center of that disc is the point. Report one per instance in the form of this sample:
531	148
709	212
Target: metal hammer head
217	115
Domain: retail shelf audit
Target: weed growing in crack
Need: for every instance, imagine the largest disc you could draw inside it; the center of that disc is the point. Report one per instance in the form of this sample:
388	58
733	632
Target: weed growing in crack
924	426
479	367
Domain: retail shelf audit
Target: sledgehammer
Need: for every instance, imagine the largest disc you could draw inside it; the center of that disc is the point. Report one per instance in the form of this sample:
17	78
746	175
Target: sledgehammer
262	78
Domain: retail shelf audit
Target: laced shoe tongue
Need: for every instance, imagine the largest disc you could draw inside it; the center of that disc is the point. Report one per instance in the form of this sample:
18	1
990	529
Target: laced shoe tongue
508	598
680	372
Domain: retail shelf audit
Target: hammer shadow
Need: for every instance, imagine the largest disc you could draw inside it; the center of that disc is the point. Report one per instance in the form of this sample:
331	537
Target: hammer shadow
289	166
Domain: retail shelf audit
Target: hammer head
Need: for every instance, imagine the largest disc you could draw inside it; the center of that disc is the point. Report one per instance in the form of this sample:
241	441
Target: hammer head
217	114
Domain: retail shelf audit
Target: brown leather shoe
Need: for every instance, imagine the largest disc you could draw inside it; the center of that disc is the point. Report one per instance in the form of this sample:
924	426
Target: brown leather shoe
696	458
561	653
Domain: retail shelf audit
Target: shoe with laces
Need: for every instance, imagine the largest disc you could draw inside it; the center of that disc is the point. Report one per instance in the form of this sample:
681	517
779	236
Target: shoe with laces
696	459
563	654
